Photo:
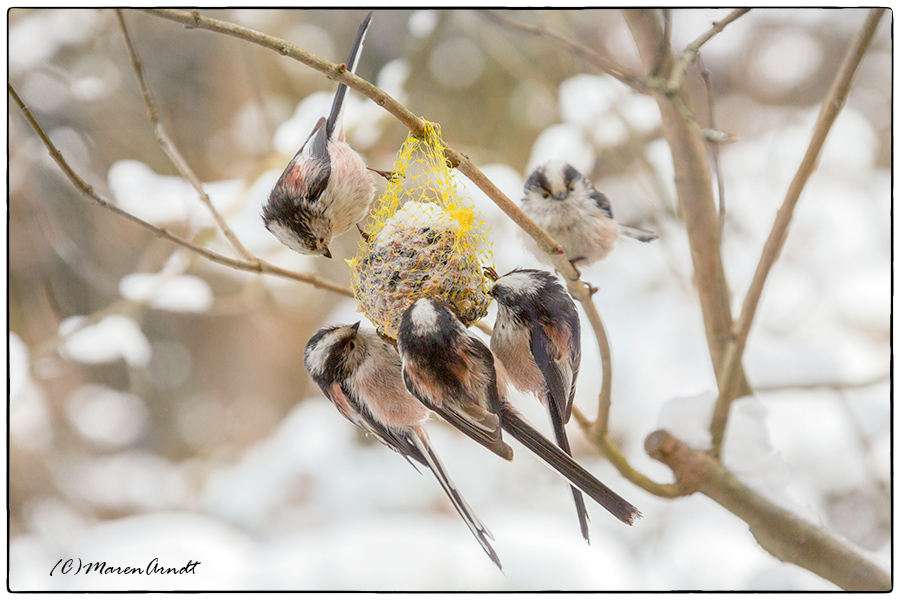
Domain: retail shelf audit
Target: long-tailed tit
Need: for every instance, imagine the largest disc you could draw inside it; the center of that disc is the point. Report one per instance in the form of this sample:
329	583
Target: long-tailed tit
537	337
456	375
451	372
326	188
568	206
360	374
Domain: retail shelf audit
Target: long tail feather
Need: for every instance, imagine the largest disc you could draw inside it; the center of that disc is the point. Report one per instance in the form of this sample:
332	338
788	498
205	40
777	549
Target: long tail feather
465	511
635	233
559	430
337	107
565	465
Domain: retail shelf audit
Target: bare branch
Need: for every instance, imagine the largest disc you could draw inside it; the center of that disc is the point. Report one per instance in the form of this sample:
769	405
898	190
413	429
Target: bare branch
783	534
729	388
665	42
258	266
720	183
171	151
604	401
603	64
775	530
693	186
692	50
835	386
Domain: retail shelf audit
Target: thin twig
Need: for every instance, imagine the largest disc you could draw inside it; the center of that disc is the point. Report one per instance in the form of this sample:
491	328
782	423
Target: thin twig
632	80
258	266
693	186
665	42
834	101
171	151
835	386
604	401
710	103
693	49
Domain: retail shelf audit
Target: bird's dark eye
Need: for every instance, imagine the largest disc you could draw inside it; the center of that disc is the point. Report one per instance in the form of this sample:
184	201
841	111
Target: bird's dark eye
545	193
351	345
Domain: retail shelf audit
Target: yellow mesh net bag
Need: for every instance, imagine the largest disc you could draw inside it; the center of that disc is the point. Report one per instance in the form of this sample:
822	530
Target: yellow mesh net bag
423	239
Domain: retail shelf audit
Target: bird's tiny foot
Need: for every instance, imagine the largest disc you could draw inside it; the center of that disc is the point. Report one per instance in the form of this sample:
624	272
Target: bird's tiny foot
577	271
389	175
364	235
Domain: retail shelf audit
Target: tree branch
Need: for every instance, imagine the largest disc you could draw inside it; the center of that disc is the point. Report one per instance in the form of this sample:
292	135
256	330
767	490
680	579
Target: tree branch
729	387
714	146
665	42
783	534
600	427
692	50
835	386
693	186
86	190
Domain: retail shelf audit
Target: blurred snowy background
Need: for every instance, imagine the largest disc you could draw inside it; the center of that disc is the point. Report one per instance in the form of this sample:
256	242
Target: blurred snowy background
158	403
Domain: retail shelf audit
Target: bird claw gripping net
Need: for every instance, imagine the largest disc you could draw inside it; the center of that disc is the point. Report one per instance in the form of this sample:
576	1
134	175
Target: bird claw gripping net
423	239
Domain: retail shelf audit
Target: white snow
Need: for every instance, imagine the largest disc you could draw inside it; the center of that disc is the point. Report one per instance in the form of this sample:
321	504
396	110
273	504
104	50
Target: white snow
114	337
182	293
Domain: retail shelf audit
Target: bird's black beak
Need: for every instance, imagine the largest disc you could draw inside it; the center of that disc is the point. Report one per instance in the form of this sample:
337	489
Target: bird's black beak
326	252
355	327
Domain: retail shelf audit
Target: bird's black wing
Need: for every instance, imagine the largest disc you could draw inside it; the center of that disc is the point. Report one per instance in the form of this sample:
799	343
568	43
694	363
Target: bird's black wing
557	372
474	421
602	202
